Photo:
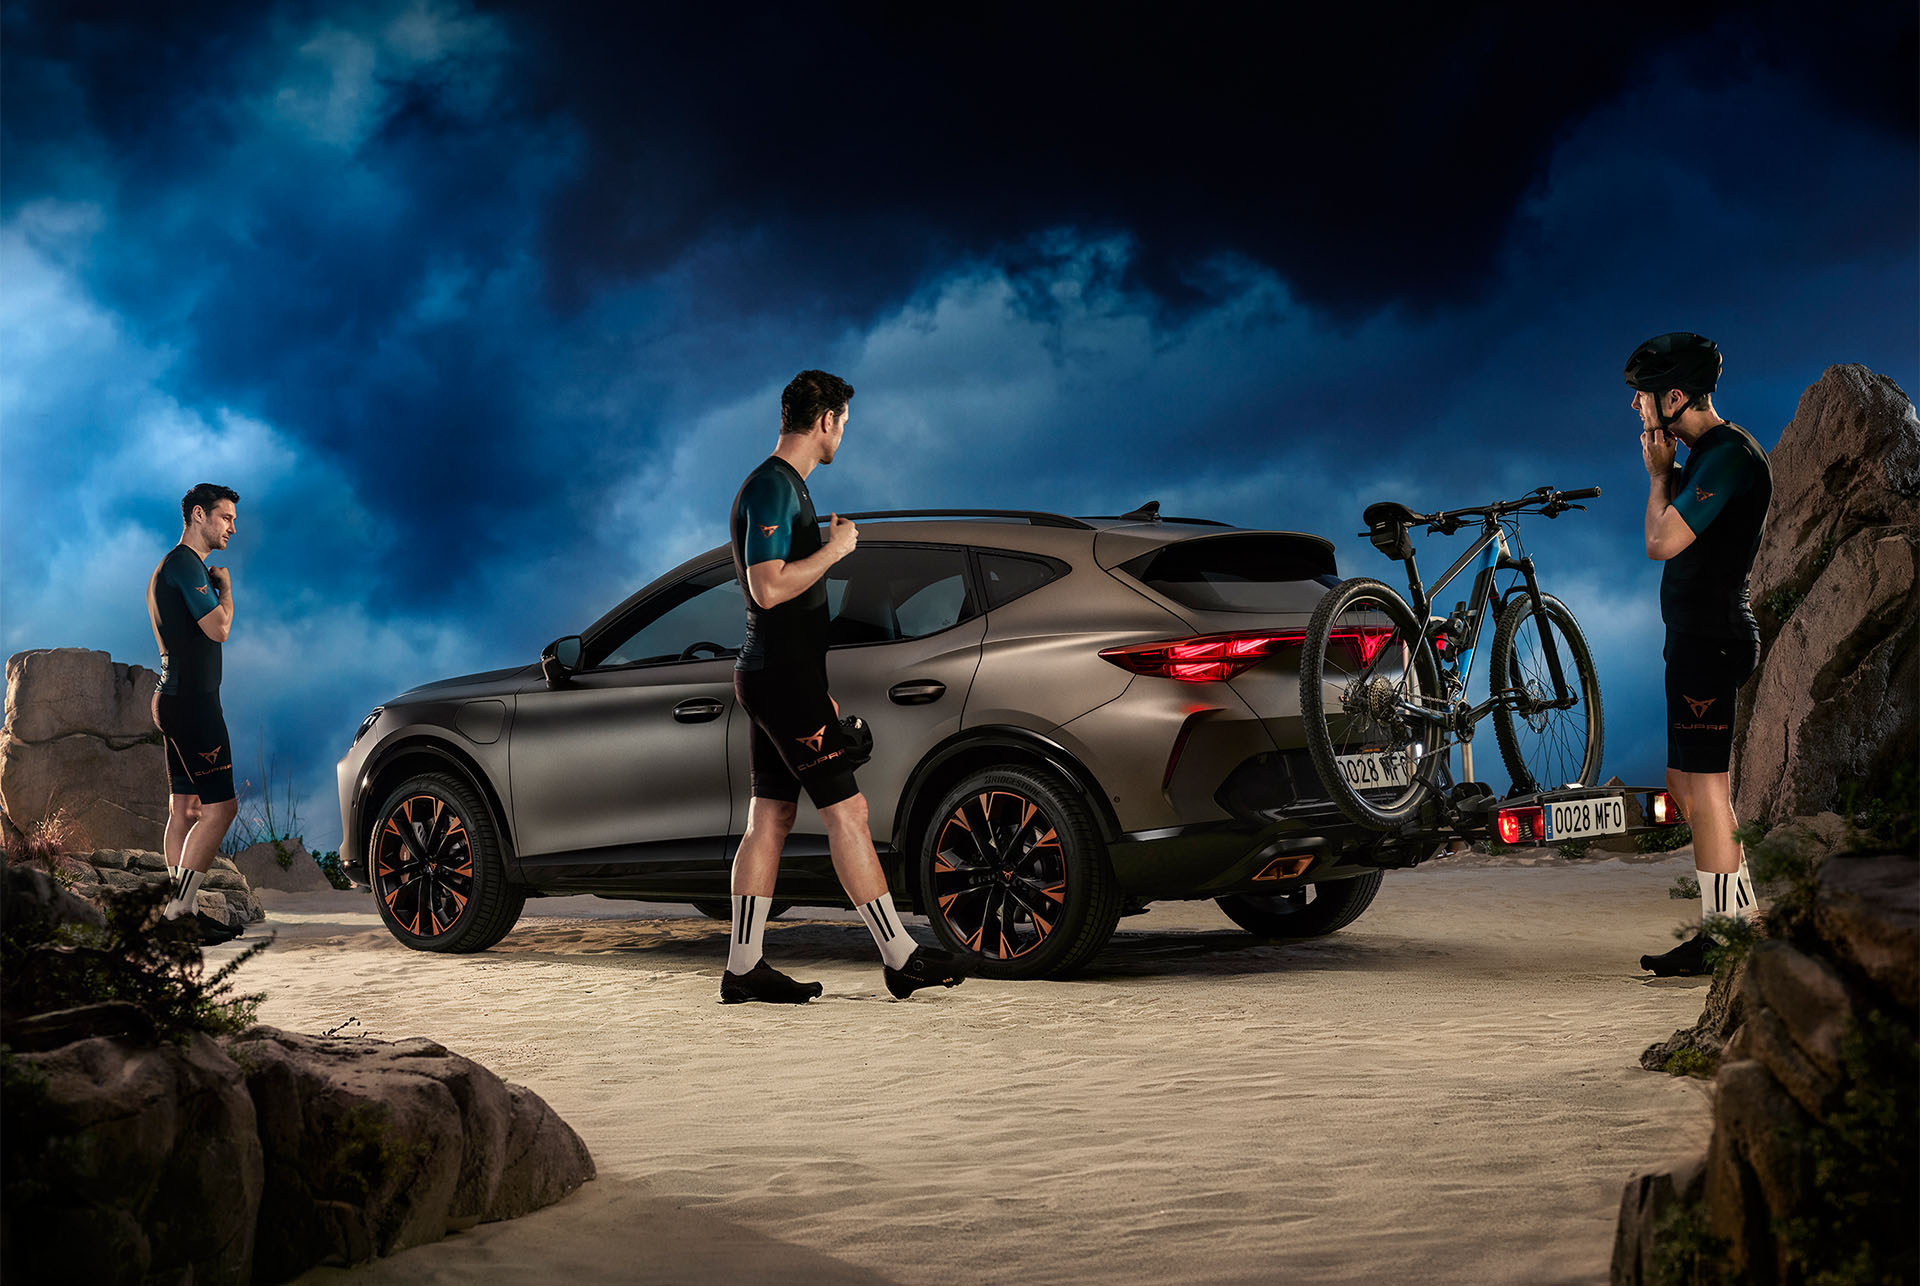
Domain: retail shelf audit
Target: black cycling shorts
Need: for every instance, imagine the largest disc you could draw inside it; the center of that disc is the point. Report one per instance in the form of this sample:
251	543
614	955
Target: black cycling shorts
199	756
797	738
1703	676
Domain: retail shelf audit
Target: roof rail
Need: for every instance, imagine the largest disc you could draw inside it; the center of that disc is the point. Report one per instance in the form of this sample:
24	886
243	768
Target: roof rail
1032	516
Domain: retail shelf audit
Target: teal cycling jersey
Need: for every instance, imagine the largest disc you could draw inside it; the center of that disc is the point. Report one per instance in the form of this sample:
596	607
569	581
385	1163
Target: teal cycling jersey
179	593
1722	495
773	520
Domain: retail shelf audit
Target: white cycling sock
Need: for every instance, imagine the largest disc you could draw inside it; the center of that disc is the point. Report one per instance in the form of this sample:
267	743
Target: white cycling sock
187	900
1723	894
883	922
1745	901
749	927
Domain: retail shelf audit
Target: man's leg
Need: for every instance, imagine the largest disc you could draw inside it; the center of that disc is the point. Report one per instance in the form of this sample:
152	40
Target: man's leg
182	812
907	966
201	847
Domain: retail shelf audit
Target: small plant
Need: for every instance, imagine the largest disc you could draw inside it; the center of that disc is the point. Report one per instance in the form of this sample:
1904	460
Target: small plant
1729	939
1688	1252
1574	848
44	842
1686	888
1690	1061
329	864
1664	839
260	819
155	964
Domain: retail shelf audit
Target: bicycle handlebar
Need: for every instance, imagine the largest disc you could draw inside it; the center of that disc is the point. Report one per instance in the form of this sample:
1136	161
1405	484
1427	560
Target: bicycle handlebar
1544	500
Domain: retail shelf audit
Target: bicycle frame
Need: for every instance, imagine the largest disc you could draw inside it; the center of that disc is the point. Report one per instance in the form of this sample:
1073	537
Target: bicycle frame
1455	663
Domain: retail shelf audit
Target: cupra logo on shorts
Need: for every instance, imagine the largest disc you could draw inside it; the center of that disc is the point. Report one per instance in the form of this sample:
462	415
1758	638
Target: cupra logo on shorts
1699	707
209	755
814	742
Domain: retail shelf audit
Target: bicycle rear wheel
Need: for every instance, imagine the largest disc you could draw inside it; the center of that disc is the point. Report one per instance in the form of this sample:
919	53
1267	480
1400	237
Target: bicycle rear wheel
1365	667
1545	747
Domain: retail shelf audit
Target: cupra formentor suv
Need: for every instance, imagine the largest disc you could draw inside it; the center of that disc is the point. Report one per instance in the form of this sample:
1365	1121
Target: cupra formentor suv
1072	718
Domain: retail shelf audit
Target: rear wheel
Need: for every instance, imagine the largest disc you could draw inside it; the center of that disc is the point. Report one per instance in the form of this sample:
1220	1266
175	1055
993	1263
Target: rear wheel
1544	746
1014	877
1365	668
1310	911
434	862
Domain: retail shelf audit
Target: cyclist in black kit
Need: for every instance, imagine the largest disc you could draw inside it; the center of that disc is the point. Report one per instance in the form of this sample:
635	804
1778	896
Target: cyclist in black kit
190	606
780	679
1704	521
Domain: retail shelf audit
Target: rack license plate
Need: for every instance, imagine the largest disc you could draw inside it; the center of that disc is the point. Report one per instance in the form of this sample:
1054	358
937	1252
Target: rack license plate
1584	818
1376	771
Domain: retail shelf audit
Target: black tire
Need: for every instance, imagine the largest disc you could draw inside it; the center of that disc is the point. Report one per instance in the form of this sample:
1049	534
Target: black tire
434	861
1309	911
715	909
1362	698
1544	747
1007	849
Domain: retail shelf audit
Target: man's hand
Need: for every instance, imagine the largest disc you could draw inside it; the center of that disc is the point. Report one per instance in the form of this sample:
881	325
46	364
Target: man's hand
842	536
1657	449
221	579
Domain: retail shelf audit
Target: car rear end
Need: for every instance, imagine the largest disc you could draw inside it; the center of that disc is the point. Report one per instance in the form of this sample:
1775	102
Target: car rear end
1202	751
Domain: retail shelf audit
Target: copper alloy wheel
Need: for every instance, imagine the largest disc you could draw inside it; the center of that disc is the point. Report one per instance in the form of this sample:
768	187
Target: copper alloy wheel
423	865
999	874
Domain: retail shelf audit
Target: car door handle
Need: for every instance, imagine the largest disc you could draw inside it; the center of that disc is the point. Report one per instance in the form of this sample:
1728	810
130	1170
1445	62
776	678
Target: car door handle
916	692
698	710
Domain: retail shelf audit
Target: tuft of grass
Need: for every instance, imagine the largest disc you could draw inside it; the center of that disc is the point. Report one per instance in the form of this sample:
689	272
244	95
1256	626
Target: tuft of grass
1686	887
44	842
137	957
1690	1061
1664	839
1574	848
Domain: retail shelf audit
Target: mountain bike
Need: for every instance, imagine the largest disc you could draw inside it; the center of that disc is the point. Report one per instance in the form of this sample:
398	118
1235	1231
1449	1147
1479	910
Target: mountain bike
1383	682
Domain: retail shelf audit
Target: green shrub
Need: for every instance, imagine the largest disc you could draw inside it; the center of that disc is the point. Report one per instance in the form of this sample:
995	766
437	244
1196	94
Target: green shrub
1664	839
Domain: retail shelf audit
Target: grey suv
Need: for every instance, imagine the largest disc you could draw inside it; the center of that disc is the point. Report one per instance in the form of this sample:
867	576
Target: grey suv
1072	717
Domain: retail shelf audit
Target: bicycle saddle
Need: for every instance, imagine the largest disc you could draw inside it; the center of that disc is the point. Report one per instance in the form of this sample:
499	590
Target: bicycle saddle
1388	511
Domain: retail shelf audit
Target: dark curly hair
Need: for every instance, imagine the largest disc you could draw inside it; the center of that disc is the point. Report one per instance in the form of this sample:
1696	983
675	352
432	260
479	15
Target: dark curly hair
205	495
808	396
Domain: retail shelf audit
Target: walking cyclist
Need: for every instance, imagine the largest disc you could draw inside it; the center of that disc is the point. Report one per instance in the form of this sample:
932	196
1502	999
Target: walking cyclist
1704	522
780	679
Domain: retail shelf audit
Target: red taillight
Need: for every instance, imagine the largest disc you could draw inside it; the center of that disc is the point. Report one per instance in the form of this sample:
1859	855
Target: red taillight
1665	811
1521	825
1367	640
1207	658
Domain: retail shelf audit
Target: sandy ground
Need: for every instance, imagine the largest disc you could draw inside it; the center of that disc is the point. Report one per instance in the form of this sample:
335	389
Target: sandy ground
1446	1091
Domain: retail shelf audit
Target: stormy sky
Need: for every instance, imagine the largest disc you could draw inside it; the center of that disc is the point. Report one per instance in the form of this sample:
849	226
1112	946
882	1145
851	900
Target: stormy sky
484	309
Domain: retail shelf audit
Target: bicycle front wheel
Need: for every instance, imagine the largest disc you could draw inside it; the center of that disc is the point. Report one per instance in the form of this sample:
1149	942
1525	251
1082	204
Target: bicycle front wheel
1367	675
1543	744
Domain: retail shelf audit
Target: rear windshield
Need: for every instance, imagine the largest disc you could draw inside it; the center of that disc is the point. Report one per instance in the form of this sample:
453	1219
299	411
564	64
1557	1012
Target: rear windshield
1245	572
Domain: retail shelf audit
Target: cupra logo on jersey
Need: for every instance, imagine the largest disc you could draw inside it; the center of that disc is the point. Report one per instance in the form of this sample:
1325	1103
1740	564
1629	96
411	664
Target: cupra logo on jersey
200	589
1701	493
1699	707
768	531
814	742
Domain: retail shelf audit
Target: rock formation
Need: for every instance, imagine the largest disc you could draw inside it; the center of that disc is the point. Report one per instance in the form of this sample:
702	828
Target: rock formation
226	894
79	738
140	1152
260	865
1837	695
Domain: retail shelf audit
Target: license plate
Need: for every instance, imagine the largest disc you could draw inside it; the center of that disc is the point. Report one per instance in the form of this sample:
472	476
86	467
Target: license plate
1583	818
1376	771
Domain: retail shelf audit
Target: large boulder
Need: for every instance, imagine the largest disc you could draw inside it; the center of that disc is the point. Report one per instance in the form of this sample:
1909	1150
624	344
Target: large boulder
261	867
129	1162
79	740
371	1147
1837	696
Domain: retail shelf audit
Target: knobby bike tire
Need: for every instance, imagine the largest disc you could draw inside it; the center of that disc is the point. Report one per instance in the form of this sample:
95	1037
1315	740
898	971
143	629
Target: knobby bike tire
1546	748
1334	684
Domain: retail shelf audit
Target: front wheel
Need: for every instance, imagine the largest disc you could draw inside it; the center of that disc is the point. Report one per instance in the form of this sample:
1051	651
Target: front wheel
1310	911
1543	744
1014	877
1370	702
435	866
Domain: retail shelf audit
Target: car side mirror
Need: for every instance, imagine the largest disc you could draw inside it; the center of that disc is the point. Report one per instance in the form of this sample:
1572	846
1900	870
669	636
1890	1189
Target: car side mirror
560	660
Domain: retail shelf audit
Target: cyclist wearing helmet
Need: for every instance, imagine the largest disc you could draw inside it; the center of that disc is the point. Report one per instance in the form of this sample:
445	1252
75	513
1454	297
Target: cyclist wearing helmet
1704	522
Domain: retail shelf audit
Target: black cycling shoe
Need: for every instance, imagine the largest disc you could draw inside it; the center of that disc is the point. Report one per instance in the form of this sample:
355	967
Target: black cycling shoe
766	984
213	932
1688	960
926	967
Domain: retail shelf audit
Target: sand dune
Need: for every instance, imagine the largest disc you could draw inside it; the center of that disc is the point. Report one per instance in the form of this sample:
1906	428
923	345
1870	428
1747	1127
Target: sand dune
1446	1091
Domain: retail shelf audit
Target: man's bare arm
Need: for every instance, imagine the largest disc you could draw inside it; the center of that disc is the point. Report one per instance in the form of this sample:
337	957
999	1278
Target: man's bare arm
776	581
218	623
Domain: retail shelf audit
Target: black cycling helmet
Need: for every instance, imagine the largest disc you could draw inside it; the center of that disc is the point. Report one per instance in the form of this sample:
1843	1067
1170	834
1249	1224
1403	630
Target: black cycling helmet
1681	359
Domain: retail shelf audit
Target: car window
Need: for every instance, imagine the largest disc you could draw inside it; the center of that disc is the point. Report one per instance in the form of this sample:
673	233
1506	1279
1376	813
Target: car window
1008	576
887	593
1242	572
706	607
